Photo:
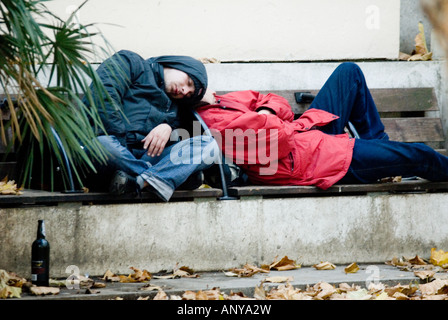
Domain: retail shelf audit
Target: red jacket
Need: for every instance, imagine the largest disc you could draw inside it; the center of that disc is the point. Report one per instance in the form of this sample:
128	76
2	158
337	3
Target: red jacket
276	149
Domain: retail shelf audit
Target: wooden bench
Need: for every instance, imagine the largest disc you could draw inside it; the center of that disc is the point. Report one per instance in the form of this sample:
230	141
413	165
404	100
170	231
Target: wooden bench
409	115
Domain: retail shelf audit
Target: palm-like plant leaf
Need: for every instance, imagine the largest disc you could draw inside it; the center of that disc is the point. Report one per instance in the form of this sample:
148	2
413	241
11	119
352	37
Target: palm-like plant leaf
39	110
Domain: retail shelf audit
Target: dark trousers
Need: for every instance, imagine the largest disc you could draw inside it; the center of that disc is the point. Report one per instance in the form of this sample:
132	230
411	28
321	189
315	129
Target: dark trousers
346	95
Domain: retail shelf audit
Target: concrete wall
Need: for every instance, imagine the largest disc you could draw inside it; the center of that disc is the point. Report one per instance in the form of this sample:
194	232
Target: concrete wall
249	30
218	235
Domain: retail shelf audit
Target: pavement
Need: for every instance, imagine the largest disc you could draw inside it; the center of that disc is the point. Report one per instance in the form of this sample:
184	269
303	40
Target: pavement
300	278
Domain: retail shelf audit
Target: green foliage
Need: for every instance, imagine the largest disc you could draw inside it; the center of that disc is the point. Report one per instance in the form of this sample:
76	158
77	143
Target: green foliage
35	44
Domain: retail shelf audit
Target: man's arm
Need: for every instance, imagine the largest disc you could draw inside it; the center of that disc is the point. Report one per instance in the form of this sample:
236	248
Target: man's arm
267	103
116	73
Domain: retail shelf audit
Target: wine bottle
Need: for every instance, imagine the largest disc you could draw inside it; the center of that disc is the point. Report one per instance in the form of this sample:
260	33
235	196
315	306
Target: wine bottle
40	258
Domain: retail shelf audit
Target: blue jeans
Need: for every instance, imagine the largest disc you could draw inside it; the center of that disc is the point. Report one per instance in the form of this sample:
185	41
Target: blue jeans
346	95
168	171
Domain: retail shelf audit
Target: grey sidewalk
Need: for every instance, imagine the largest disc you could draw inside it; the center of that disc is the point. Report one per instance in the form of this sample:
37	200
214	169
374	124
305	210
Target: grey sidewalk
385	274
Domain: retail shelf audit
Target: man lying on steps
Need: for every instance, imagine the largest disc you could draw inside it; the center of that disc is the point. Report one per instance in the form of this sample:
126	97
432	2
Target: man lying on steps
259	133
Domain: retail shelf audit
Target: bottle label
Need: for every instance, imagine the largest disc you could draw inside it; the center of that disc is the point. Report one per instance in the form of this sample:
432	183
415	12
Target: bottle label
37	267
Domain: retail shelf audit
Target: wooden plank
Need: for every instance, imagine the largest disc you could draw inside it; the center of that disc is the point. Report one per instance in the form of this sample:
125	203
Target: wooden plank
282	191
386	100
414	129
405	99
36	197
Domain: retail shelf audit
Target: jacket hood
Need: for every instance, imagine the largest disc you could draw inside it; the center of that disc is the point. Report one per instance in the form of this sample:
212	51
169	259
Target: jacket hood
193	67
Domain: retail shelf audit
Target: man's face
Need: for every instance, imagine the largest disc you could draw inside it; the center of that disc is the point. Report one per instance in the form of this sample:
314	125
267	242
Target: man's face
178	84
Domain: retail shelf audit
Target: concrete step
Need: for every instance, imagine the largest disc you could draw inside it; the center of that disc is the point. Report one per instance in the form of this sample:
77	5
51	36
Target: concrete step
206	234
299	278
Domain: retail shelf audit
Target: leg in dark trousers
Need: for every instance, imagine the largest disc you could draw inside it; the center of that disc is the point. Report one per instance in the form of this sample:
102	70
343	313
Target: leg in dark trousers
346	95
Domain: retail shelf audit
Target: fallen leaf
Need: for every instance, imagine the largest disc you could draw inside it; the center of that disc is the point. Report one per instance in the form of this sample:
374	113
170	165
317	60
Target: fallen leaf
383	296
403	57
417	261
284	264
361	294
324	290
161	295
400	296
352	268
420	41
199	295
149	287
421	52
98	285
424	275
40	291
324	266
140	275
10	285
110	276
248	270
398	262
345	287
260	292
376	287
437	286
9	187
182	272
278	279
10	292
287	292
438	258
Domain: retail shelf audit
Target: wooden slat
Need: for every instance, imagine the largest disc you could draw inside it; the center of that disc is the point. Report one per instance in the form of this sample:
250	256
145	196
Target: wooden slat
414	129
386	100
405	99
282	191
33	197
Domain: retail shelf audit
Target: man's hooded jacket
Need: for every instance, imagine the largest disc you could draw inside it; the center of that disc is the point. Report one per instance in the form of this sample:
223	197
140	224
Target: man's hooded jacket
138	101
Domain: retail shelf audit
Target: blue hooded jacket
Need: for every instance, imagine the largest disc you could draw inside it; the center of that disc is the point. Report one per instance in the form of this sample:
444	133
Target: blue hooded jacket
139	102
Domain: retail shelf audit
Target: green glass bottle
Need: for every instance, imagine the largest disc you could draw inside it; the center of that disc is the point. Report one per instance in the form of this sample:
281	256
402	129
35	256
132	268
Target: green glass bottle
40	258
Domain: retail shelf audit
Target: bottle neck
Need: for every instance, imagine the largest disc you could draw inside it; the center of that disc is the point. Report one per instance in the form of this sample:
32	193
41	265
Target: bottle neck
41	229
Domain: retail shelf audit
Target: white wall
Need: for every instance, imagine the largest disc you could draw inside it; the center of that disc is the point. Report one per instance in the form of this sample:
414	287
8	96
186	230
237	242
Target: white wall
248	30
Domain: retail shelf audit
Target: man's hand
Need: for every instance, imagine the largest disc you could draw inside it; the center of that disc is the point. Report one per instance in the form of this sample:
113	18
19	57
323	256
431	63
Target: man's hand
156	140
209	96
265	111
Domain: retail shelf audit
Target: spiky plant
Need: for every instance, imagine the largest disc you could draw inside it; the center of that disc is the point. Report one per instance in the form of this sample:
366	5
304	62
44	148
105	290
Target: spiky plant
35	44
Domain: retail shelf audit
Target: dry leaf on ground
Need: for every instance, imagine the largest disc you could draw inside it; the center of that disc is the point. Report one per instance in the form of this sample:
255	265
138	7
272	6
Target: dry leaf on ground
278	279
438	258
137	276
9	187
352	268
284	264
10	285
41	291
247	271
182	272
425	274
421	52
324	266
